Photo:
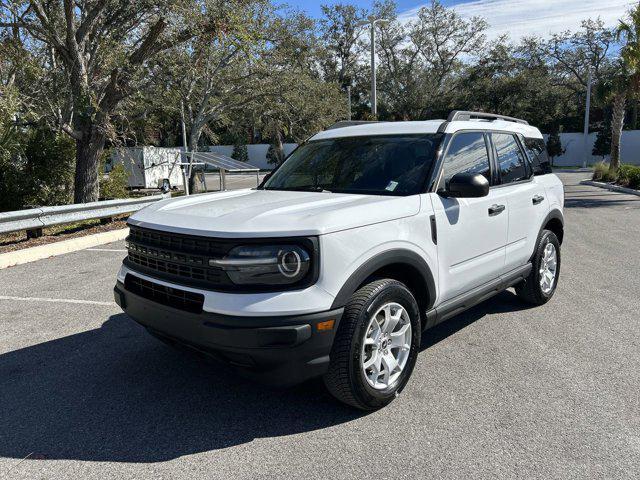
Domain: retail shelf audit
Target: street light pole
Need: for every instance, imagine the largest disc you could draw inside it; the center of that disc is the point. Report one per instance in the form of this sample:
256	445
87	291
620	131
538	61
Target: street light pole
586	122
349	100
374	103
372	23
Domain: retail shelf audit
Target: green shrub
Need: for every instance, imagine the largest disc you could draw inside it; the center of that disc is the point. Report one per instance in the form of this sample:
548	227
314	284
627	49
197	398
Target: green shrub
599	171
49	169
240	153
115	184
36	169
610	176
629	176
623	174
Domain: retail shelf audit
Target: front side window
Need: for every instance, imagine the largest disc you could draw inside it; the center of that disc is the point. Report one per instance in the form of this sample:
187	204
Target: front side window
537	151
466	154
373	165
511	160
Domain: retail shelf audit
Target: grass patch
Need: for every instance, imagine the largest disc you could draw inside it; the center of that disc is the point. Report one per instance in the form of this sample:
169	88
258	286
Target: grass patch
626	176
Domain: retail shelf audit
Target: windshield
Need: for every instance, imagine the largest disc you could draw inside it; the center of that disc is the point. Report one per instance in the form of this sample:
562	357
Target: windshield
375	165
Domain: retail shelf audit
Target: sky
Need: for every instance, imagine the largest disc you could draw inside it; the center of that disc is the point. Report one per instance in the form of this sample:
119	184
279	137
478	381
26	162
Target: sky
518	18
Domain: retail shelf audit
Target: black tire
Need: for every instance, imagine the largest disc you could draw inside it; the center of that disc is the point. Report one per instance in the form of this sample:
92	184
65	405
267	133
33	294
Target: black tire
529	289
345	379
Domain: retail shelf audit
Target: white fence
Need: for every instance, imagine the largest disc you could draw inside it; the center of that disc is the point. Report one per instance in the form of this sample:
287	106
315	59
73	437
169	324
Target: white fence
257	153
574	144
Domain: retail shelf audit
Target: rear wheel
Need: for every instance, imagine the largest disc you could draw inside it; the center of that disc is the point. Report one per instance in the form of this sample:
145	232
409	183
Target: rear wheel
376	345
540	285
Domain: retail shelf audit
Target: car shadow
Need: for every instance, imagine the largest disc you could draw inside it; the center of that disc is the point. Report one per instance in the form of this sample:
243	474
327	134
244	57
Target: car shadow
504	302
117	394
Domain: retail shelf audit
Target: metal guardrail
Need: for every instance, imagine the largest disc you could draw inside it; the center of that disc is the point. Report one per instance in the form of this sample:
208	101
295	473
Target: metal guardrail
34	219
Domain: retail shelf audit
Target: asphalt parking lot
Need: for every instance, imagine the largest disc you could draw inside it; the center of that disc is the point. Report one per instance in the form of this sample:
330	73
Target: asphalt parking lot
501	391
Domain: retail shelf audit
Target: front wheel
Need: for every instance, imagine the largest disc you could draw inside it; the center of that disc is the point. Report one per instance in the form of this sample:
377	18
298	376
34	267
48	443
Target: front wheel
376	345
540	285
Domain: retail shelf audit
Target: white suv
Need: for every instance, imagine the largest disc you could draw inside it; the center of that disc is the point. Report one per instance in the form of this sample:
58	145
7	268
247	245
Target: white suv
368	234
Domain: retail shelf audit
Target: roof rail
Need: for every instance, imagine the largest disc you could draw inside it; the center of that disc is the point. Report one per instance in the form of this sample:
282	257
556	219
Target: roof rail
460	115
350	123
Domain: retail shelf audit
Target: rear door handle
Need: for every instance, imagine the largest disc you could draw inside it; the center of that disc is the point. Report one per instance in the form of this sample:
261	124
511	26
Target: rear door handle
537	199
496	210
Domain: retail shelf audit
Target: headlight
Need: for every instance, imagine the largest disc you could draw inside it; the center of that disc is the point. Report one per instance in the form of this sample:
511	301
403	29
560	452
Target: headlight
265	264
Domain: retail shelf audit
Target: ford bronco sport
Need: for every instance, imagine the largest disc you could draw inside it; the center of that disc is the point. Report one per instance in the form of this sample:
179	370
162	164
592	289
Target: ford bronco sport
364	237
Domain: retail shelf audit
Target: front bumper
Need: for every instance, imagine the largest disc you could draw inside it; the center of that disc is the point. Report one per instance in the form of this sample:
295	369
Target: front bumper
278	350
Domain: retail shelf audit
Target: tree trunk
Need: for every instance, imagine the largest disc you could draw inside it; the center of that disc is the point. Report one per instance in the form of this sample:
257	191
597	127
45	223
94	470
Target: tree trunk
88	152
195	184
617	122
279	146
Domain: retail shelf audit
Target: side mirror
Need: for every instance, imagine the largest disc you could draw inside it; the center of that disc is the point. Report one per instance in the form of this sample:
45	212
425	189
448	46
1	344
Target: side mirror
467	185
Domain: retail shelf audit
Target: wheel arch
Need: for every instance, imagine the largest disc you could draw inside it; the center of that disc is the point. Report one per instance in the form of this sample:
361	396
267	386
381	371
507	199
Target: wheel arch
554	221
403	265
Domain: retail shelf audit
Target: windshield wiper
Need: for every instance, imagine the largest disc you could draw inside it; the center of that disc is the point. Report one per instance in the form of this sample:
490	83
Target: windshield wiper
304	188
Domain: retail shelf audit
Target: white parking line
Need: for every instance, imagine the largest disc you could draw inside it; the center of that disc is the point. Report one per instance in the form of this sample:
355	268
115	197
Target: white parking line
58	300
107	249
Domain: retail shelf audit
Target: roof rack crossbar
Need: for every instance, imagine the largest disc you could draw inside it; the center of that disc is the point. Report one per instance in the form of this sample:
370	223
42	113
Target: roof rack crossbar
350	123
461	115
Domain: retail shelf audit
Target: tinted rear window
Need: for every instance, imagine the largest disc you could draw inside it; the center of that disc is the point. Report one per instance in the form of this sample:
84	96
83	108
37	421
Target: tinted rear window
537	151
511	161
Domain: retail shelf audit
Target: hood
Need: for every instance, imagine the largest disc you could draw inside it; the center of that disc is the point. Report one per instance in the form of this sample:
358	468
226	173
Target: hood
272	213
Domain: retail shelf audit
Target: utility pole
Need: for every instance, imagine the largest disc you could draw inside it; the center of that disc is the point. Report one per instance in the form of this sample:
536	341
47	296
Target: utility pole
374	100
372	21
587	153
185	180
349	101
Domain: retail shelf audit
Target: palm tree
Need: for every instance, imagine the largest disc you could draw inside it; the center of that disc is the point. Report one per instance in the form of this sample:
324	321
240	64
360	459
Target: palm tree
627	83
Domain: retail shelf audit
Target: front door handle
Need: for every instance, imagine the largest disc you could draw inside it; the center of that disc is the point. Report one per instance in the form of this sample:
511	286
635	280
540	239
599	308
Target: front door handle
537	199
496	209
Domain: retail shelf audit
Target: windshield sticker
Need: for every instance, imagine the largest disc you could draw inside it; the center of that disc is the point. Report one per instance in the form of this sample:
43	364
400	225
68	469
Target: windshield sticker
392	186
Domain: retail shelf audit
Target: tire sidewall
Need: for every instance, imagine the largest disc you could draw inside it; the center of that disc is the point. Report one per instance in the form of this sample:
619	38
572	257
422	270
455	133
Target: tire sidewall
392	292
546	237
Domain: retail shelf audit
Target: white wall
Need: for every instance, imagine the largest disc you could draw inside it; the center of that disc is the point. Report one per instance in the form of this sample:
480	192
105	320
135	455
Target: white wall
257	153
574	144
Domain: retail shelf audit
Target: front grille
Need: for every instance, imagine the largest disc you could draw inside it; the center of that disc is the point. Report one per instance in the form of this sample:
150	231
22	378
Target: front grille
184	259
179	258
171	297
180	243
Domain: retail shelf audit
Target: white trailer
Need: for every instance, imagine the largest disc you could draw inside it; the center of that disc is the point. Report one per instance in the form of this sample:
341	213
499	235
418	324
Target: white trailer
148	167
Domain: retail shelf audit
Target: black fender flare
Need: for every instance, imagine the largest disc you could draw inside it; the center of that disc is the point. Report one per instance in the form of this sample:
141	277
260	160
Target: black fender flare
389	257
554	214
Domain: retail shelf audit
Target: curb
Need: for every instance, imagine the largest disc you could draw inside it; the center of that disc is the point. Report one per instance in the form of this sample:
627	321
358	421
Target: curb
613	188
40	252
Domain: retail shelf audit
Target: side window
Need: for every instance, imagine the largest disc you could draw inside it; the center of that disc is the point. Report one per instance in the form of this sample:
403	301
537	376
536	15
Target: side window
467	154
537	151
511	161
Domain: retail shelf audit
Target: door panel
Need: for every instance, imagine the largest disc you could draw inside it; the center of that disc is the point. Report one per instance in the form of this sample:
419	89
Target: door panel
471	242
526	200
527	207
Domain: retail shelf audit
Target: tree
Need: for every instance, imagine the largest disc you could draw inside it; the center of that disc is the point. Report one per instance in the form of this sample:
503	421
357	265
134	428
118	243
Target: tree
554	145
514	80
217	77
275	154
602	145
341	32
626	84
420	61
572	54
240	153
100	49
